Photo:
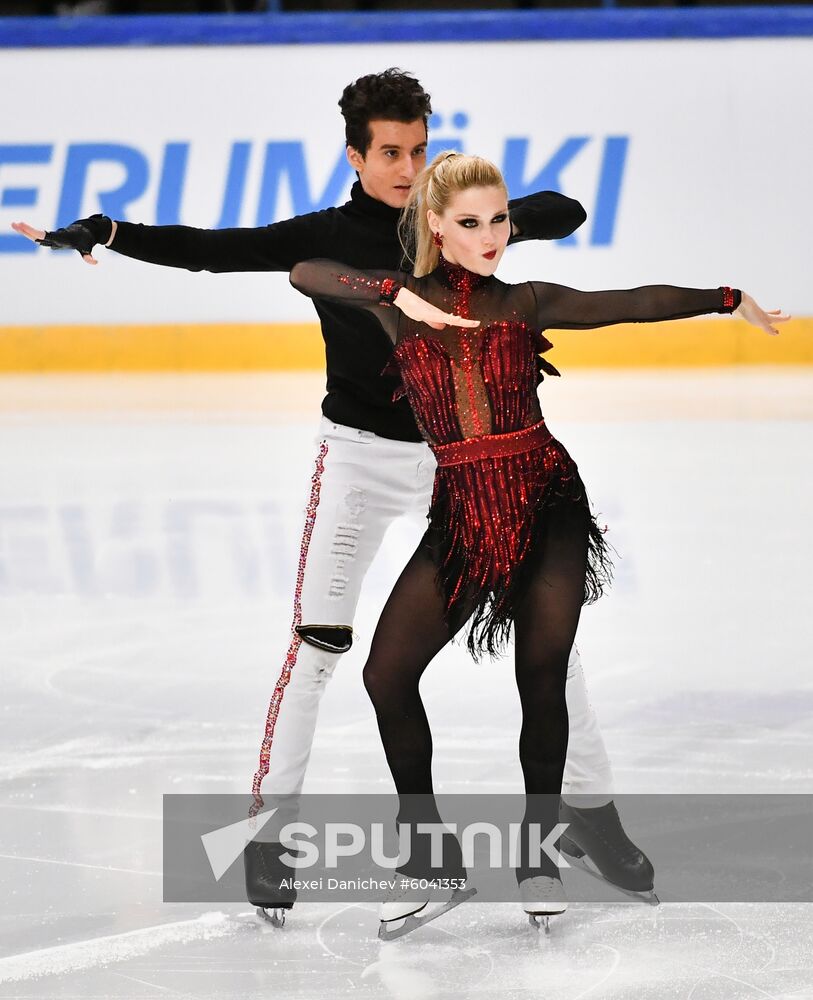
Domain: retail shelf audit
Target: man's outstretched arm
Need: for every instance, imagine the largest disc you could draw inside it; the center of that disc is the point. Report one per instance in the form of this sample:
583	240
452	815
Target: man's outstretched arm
276	247
546	215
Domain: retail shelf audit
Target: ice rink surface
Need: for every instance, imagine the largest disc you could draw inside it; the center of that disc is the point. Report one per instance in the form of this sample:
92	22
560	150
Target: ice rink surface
149	528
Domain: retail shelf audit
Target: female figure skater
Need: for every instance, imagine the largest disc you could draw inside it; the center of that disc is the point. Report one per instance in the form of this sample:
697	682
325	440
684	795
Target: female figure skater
511	540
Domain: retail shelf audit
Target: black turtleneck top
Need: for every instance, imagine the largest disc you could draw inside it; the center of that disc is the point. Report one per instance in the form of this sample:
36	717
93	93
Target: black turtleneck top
361	233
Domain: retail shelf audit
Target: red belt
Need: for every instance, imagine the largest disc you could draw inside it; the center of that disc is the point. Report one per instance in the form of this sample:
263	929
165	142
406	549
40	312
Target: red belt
492	445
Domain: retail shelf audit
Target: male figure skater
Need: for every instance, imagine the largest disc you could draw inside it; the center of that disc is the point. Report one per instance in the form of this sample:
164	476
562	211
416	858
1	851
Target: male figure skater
372	464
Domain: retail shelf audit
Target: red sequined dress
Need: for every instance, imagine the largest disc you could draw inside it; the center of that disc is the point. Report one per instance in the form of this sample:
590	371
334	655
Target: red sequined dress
474	396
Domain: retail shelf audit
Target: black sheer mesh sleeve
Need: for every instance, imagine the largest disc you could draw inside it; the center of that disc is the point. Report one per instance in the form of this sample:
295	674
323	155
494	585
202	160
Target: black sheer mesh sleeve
563	308
335	282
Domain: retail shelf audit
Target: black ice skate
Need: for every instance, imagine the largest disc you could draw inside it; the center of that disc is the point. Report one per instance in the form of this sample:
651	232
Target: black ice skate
596	843
264	876
404	911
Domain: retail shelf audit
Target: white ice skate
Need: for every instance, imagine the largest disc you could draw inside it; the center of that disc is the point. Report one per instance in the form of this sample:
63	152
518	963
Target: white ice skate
542	898
404	910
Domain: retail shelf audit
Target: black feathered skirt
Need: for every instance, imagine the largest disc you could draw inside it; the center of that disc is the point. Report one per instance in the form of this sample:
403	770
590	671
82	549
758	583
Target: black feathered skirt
493	500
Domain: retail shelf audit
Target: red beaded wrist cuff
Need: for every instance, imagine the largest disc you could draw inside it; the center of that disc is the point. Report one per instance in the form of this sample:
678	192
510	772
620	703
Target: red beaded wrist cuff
389	289
731	298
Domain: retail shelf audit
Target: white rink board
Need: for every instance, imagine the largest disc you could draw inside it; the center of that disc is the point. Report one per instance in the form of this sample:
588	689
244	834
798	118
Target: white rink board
709	142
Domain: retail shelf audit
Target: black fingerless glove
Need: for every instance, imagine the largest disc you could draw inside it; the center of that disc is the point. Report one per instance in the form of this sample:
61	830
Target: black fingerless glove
81	235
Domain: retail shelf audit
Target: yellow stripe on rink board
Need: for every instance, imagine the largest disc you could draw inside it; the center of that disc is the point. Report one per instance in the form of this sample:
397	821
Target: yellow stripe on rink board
684	343
180	347
298	346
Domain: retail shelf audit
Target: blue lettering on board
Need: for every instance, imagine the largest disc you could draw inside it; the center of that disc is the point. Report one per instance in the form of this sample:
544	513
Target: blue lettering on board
284	178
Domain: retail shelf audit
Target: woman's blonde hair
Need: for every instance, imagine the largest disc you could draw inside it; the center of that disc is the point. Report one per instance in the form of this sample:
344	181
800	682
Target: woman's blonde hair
449	173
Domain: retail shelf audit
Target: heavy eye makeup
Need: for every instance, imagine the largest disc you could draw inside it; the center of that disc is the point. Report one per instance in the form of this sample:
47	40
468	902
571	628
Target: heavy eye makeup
470	223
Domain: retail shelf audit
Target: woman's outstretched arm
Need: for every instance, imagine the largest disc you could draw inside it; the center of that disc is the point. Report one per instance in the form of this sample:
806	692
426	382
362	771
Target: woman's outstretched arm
563	308
375	291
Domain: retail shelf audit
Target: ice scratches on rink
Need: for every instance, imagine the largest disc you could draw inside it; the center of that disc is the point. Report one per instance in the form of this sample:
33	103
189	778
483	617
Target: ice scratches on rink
148	529
80	956
629	952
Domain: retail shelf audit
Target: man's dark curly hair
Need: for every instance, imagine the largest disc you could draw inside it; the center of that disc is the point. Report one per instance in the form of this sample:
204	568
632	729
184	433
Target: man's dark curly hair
392	96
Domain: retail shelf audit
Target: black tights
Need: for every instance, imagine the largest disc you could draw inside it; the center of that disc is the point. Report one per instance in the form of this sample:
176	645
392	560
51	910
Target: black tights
412	630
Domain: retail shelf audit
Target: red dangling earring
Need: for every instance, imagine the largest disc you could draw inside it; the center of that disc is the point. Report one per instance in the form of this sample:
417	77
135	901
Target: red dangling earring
437	239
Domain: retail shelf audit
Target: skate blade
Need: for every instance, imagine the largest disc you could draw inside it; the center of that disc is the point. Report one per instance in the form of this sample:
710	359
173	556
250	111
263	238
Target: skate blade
539	921
411	923
647	896
274	915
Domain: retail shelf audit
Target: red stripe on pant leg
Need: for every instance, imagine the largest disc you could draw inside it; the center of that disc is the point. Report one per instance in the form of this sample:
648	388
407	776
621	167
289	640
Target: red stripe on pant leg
296	640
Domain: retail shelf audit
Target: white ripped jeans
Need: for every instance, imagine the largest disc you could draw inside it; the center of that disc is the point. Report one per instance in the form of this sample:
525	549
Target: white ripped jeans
361	484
